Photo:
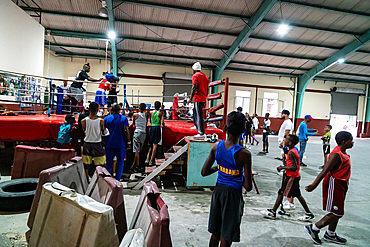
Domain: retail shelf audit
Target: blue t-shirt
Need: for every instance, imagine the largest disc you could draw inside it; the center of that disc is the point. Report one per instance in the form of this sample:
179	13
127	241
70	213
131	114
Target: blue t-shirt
304	132
229	173
115	123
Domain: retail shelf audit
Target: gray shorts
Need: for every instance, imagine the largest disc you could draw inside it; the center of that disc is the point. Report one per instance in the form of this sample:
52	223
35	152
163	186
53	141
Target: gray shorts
139	139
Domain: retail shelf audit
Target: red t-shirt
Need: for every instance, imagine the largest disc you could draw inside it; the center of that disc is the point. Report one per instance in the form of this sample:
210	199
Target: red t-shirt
344	170
202	81
104	84
296	173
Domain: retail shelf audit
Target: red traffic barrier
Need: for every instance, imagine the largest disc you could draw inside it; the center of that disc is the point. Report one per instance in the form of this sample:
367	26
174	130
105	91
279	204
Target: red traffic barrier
30	161
71	174
151	215
107	190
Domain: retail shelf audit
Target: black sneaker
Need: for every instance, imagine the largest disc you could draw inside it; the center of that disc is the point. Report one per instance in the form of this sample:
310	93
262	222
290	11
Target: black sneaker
314	235
303	164
336	239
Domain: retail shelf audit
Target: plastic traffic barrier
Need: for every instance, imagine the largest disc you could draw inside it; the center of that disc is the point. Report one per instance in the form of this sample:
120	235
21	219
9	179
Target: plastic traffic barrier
30	161
66	218
151	215
71	174
105	189
133	238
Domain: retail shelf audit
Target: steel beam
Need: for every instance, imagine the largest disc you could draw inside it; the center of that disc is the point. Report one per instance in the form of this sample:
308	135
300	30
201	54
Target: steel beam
256	19
263	9
304	79
112	28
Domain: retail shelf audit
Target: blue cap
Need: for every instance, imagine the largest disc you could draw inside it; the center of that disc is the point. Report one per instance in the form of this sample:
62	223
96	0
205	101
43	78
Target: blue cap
308	117
110	77
285	112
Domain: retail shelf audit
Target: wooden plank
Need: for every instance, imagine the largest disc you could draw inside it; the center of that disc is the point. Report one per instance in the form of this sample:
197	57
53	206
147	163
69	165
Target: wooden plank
162	173
161	167
178	162
168	167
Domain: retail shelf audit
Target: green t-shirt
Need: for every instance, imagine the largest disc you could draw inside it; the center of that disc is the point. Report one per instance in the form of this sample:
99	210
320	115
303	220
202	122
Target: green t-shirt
327	136
155	120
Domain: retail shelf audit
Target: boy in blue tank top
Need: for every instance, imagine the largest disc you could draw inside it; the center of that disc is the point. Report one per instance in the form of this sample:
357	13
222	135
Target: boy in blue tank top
234	166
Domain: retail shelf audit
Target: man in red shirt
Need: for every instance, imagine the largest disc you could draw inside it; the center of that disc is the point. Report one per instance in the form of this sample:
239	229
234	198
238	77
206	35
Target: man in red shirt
199	91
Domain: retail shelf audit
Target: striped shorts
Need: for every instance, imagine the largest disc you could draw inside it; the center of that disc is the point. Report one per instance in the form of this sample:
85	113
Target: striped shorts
334	194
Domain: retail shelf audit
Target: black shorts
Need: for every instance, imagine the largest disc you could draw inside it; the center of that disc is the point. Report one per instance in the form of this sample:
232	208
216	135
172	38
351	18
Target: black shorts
226	212
155	135
326	149
265	137
93	153
248	132
290	187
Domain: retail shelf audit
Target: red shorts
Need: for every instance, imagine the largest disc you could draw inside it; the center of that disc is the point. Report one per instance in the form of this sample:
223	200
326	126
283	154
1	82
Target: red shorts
334	194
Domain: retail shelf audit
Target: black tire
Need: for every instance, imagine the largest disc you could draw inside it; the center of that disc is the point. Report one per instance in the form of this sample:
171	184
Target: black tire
17	195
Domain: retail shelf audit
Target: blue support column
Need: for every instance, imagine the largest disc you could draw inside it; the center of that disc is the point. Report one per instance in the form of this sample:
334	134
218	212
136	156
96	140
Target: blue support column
112	41
304	79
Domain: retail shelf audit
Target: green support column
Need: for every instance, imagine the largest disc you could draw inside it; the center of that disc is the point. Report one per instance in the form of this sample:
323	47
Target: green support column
367	113
112	41
256	19
304	79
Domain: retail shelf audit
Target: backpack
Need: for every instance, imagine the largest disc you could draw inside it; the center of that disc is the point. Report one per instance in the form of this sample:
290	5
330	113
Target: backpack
64	134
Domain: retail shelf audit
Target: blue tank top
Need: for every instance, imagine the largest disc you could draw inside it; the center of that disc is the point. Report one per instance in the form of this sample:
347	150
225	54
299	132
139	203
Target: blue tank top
229	173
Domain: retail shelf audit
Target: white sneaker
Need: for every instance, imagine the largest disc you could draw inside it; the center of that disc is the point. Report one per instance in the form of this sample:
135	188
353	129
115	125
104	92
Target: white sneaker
200	136
269	214
288	206
281	173
307	217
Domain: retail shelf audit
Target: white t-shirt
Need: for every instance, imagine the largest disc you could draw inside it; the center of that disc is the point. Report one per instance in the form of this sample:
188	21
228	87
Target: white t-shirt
267	123
286	125
255	123
65	89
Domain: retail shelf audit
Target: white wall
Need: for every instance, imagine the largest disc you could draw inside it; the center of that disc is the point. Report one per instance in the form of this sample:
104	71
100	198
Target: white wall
22	41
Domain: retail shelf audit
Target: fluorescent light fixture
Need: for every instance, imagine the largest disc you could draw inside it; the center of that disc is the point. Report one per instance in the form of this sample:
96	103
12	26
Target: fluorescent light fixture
283	29
112	35
341	60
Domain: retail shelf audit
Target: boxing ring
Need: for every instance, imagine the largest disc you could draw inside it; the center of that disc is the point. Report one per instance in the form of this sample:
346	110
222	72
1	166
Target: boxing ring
45	127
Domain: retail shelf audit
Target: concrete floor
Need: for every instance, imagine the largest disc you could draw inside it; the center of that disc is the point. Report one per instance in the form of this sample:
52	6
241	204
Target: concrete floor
189	209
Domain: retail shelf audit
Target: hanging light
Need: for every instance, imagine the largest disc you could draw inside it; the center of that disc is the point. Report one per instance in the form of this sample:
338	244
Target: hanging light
103	11
111	35
341	60
283	29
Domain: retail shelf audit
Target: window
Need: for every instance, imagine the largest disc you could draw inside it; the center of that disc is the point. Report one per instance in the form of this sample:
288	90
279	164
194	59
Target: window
270	104
243	99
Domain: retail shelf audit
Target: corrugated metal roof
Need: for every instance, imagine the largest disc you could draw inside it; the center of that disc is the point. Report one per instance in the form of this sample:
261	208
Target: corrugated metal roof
279	45
319	18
